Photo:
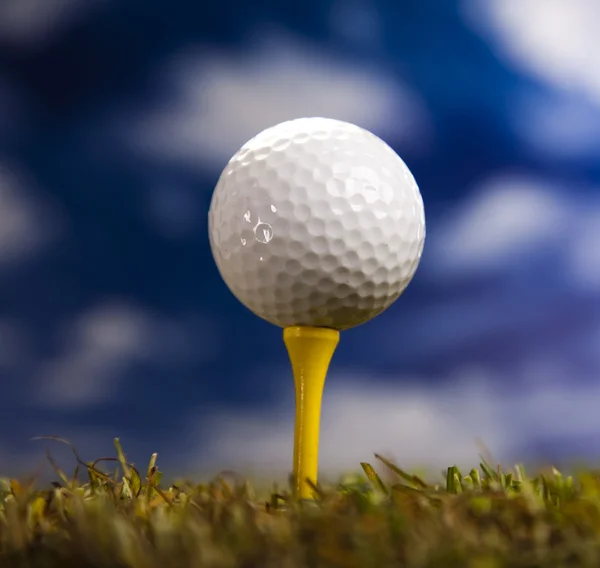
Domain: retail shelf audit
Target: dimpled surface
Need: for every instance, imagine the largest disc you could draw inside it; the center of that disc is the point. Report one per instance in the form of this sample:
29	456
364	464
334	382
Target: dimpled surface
316	222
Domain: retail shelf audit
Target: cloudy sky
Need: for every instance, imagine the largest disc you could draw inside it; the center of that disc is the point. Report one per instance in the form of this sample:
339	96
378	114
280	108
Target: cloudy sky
114	128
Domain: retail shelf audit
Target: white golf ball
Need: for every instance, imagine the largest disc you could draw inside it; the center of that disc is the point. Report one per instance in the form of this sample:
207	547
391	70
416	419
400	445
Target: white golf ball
316	222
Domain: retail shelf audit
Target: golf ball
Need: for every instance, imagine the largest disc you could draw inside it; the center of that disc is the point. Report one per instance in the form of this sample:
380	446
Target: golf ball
316	222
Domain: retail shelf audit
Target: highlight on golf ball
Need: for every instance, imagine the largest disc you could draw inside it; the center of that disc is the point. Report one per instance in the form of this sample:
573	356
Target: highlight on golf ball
316	222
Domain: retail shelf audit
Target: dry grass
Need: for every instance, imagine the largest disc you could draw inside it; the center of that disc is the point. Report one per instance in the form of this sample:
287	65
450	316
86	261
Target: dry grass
488	518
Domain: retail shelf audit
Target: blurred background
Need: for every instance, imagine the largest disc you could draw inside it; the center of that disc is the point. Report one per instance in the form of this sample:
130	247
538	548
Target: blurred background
116	119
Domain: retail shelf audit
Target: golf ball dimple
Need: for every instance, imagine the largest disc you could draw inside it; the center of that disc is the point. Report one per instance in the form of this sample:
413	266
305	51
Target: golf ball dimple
316	222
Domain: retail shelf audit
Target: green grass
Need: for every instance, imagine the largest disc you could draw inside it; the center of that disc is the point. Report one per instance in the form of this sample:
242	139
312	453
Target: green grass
127	518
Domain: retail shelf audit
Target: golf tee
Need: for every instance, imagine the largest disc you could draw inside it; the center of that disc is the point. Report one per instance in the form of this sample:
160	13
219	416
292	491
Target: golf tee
310	350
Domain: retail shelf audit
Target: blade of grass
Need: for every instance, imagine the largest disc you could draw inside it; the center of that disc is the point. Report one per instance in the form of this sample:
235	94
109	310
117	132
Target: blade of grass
414	479
121	457
373	477
453	483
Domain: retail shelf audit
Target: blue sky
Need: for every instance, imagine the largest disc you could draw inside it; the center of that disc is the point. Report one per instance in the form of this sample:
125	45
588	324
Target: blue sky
115	122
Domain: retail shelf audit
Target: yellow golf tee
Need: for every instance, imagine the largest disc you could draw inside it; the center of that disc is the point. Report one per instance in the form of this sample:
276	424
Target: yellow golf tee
310	350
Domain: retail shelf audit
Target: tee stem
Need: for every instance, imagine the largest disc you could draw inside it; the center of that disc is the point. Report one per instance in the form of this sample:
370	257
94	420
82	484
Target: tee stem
310	350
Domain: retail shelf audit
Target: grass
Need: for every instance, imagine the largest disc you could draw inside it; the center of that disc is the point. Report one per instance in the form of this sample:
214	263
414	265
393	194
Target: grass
127	518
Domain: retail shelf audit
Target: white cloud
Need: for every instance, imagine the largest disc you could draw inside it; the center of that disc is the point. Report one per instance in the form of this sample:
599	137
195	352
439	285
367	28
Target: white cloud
96	348
27	223
219	100
102	343
557	125
425	426
554	40
500	220
557	43
34	21
507	220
